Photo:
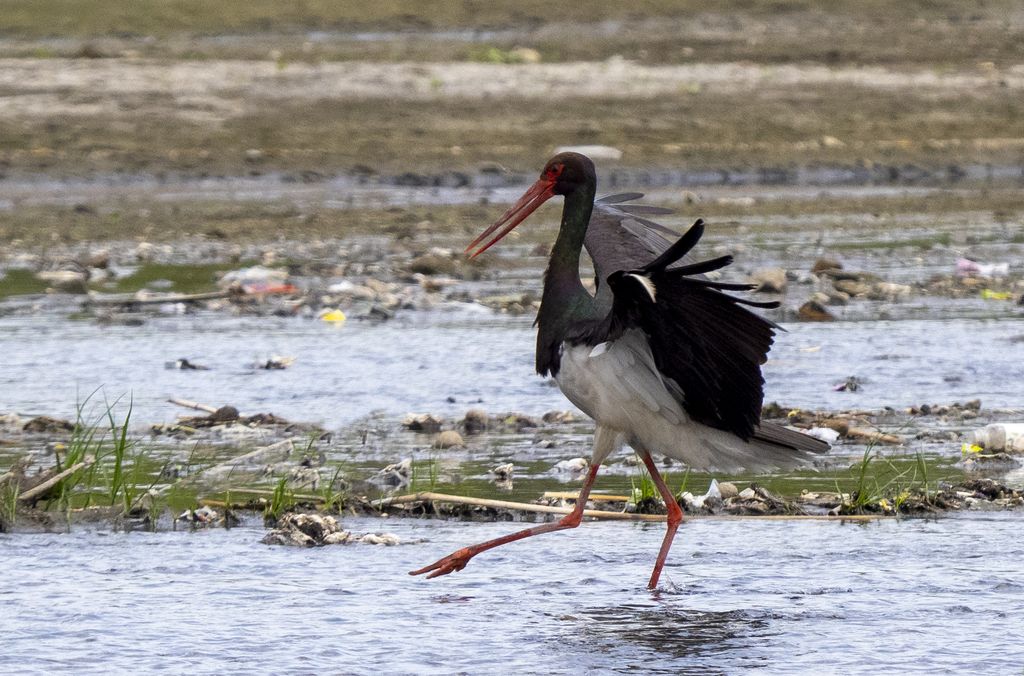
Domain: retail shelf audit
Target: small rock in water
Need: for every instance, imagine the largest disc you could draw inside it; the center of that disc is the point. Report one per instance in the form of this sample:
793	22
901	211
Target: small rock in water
422	422
185	365
574	465
274	363
475	421
224	414
524	55
559	417
449	439
98	259
813	311
889	291
769	280
825	263
518	421
728	490
434	264
852	287
386	539
45	423
342	537
503	472
398	474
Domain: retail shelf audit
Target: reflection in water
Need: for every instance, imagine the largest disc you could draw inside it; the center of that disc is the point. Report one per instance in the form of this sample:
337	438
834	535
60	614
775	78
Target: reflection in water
658	636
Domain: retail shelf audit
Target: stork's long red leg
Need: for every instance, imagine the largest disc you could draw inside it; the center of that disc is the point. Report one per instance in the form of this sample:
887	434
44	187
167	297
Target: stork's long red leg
457	560
675	517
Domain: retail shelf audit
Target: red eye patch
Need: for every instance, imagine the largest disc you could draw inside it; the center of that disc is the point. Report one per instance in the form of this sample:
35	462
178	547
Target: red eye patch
554	171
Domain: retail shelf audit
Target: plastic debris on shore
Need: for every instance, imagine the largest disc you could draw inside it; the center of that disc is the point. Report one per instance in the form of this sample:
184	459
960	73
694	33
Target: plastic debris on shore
965	267
572	466
257	279
998	437
989	294
334	316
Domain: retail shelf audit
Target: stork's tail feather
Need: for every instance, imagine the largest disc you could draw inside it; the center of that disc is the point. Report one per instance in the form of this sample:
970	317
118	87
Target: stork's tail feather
771	447
783	437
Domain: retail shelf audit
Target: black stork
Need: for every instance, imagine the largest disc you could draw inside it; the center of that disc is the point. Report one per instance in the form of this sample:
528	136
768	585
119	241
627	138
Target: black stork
660	356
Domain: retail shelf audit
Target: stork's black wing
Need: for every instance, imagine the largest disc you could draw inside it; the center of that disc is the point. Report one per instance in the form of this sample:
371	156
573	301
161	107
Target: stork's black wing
619	238
702	338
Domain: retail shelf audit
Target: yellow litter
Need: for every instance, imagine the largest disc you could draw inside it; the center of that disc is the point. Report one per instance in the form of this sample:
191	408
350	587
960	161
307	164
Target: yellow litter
334	316
970	448
989	294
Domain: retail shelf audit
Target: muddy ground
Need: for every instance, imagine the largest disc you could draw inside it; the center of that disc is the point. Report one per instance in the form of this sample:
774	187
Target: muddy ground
254	88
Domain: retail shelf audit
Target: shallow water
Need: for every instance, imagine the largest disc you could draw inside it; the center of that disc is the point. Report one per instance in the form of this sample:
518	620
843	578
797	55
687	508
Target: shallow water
452	188
478	359
786	596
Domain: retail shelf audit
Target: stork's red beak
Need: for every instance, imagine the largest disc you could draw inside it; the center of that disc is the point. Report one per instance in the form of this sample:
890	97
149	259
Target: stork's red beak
537	194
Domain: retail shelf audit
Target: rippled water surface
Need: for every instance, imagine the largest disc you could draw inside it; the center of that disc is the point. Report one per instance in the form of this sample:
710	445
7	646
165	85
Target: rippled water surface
420	360
786	596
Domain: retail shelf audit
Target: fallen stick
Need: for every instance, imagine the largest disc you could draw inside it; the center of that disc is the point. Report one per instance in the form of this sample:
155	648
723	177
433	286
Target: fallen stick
505	504
52	481
193	405
600	514
594	497
526	507
870	435
204	502
159	300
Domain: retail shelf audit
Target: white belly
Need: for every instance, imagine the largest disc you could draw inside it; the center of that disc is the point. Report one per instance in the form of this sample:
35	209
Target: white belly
618	385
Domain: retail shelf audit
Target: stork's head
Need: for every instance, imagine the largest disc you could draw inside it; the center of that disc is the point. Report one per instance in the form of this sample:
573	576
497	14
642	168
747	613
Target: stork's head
562	175
567	172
